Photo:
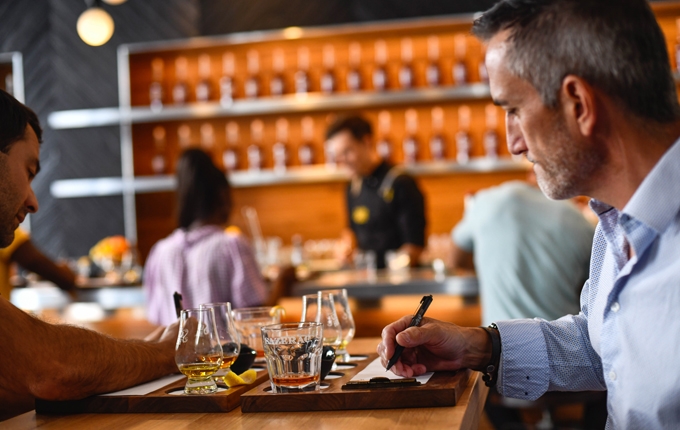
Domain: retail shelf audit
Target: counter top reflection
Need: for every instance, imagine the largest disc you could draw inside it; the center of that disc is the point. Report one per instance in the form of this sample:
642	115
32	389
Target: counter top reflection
365	285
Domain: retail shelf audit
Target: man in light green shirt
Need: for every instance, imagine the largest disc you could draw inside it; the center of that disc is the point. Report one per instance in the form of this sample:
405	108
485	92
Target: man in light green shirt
531	254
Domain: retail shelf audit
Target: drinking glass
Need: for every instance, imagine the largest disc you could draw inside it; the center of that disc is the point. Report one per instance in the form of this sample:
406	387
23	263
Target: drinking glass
248	322
229	337
346	320
320	308
198	352
293	355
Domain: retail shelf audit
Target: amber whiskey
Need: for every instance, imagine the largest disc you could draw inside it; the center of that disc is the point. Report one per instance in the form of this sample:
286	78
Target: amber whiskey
380	69
252	85
327	82
230	158
306	148
432	74
277	85
204	87
280	148
156	87
254	151
302	75
437	142
354	81
158	163
410	144
180	91
459	71
227	85
463	142
384	146
406	69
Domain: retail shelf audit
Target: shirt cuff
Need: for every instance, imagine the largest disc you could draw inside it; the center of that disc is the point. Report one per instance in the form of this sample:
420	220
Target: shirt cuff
524	369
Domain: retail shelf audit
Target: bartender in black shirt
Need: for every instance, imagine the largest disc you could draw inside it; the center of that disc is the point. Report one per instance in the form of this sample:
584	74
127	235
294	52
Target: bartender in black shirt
385	207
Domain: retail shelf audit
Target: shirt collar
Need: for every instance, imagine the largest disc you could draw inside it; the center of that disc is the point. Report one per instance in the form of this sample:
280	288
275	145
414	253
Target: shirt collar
655	203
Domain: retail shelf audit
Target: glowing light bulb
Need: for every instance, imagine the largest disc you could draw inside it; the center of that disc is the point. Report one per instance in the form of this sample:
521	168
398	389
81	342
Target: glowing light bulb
95	26
115	2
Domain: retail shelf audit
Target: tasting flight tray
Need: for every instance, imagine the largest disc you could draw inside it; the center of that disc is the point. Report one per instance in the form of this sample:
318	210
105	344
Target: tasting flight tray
157	401
443	389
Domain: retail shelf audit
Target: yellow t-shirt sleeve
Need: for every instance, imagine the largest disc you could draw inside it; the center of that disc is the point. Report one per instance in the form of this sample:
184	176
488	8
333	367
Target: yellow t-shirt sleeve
20	237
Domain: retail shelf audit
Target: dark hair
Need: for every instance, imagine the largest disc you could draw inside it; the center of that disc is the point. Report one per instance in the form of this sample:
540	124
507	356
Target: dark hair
615	45
14	117
355	124
202	189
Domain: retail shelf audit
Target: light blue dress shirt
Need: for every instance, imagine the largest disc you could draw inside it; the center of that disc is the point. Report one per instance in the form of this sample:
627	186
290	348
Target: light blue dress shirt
626	339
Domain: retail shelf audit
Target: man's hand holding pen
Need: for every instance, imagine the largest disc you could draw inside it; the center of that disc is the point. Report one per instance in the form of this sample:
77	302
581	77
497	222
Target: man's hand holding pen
434	345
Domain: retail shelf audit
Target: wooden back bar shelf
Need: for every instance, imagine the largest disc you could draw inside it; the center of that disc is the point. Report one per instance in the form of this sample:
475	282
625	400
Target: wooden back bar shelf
314	210
159	118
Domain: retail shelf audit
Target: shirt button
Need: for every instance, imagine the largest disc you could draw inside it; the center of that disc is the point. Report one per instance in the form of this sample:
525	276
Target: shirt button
615	307
612	375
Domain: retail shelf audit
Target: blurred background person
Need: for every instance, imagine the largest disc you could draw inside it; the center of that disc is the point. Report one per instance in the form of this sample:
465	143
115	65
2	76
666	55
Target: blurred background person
25	254
386	209
199	259
531	254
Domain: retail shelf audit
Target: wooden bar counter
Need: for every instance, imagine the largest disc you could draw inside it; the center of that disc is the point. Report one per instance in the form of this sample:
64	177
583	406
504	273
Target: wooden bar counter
465	415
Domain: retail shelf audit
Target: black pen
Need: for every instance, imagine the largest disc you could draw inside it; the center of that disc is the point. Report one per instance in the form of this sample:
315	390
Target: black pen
177	297
417	318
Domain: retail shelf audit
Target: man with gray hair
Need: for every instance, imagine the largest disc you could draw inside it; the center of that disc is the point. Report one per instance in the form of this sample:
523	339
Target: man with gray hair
590	100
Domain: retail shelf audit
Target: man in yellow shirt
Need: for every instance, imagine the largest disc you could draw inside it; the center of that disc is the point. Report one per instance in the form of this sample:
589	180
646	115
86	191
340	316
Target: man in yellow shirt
23	252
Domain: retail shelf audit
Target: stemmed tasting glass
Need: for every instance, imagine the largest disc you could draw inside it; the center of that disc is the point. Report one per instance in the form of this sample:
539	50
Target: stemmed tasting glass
346	320
198	352
320	308
229	337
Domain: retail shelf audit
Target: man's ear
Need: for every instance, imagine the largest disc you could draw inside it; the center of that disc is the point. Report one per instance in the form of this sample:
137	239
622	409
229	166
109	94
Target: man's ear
578	104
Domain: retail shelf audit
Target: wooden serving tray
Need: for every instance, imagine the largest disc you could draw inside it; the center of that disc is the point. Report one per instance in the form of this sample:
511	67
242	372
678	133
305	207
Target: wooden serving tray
157	401
443	389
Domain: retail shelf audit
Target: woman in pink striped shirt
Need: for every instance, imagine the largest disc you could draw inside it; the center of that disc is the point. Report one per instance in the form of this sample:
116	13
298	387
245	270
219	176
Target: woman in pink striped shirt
199	259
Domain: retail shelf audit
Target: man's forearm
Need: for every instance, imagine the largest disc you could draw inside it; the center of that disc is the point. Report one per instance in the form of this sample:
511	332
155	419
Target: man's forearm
86	363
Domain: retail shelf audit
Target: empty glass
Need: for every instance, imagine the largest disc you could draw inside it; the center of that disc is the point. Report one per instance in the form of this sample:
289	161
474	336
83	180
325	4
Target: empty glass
198	352
229	337
346	320
320	308
249	321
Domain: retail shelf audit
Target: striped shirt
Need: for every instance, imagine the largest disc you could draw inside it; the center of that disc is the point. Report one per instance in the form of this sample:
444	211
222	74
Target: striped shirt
204	265
626	337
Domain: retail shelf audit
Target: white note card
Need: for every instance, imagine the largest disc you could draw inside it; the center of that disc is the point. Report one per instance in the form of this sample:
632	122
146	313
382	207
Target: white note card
147	387
376	369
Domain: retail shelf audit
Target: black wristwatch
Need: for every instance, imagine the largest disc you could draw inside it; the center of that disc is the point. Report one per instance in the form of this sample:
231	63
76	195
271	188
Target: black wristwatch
490	371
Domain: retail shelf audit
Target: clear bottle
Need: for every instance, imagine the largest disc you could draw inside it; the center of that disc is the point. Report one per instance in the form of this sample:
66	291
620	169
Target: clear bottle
158	162
184	136
204	87
156	87
463	141
277	84
437	142
230	157
380	70
406	79
207	137
354	81
410	144
180	91
227	84
384	146
459	71
327	82
432	74
280	148
254	151
252	84
306	148
302	75
491	133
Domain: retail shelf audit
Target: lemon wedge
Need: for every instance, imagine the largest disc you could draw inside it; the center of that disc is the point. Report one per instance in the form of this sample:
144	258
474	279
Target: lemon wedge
231	379
277	309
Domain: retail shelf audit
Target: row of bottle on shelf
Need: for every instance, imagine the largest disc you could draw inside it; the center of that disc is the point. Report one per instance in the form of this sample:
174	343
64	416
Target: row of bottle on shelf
280	77
412	150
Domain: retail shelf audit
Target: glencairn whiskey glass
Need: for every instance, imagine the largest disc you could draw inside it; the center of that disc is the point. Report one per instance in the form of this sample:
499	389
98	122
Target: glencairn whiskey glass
229	337
320	308
198	352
